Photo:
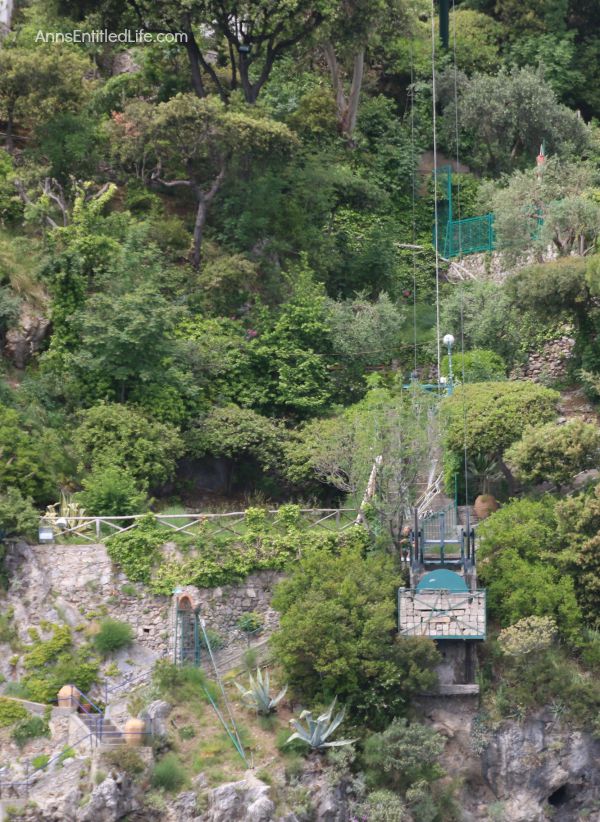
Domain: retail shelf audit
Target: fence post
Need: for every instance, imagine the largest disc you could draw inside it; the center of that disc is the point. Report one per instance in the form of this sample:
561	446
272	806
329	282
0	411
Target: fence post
97	521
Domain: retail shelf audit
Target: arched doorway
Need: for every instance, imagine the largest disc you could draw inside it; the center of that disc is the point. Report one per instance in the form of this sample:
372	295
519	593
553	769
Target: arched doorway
187	639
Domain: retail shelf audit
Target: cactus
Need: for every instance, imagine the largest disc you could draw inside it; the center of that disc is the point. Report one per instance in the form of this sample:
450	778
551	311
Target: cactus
258	695
316	731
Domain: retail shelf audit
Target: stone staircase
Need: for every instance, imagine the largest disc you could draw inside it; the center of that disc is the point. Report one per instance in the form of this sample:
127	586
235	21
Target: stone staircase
103	728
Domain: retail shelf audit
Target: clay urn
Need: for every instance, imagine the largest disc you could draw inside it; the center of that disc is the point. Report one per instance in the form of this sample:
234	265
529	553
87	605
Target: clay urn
135	731
485	504
67	697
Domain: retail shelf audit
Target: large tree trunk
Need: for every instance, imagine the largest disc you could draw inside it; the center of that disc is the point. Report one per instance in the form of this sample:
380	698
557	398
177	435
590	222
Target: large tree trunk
193	53
199	231
204	199
346	105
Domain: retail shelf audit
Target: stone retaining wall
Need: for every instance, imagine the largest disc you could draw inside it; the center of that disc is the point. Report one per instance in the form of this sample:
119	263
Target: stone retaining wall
78	585
548	365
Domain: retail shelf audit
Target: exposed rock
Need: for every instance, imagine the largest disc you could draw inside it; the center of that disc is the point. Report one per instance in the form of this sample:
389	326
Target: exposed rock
110	801
534	765
184	808
244	801
26	339
155	714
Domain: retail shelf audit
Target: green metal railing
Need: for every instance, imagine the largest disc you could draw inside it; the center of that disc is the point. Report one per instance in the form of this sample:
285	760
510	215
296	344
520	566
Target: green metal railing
468	236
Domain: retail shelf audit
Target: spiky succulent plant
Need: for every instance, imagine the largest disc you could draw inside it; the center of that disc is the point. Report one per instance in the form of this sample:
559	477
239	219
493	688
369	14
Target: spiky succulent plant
315	732
258	695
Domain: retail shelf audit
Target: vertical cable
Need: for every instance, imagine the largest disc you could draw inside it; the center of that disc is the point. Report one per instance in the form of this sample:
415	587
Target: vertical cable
435	196
414	217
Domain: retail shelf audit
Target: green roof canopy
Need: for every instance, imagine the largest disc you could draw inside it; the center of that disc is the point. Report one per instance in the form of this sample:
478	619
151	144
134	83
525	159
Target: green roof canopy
442	579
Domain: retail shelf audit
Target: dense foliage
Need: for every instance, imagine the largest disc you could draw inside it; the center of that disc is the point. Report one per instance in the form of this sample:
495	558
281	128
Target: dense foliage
338	635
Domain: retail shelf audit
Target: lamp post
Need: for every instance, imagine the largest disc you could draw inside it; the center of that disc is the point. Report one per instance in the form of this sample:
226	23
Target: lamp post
448	341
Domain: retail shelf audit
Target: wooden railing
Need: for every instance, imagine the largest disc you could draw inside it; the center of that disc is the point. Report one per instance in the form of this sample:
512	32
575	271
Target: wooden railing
99	529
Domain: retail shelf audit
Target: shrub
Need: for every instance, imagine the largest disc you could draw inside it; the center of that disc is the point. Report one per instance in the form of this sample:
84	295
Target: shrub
250	622
497	414
402	755
112	636
337	635
168	774
555	453
528	636
31	728
384	806
40	761
125	758
11	712
119	435
137	551
478	365
110	491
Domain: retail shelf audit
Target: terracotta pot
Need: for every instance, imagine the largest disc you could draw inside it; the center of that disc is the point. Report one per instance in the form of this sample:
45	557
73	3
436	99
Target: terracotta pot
67	697
135	730
485	504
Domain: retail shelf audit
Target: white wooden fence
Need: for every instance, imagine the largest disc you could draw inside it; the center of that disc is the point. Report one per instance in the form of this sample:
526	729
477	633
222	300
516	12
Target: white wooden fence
99	529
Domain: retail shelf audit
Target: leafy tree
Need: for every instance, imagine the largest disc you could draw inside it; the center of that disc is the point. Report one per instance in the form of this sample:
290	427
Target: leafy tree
363	334
356	26
117	435
564	288
340	450
110	491
126	342
285	367
236	434
555	453
497	414
338	635
509	115
555	205
579	524
37	82
32	458
195	144
18	517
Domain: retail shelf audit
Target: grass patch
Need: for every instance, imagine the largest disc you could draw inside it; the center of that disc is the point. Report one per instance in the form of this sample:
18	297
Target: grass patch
168	774
112	636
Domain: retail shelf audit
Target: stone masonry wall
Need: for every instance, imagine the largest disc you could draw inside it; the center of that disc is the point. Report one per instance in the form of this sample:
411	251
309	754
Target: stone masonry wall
78	584
548	365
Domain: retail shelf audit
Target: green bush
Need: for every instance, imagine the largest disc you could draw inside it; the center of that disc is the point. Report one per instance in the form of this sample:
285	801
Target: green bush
478	365
250	622
555	453
168	774
497	414
110	491
338	636
112	434
40	761
11	712
403	754
28	729
112	636
384	806
125	758
138	550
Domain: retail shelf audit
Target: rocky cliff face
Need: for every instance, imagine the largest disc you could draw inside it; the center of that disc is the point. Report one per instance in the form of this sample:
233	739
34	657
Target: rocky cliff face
542	770
526	771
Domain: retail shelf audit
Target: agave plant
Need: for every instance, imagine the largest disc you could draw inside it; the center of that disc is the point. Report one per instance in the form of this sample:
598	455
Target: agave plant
258	695
316	731
66	510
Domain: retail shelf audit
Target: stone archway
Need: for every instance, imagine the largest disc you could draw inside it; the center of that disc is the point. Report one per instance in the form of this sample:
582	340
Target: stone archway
187	640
